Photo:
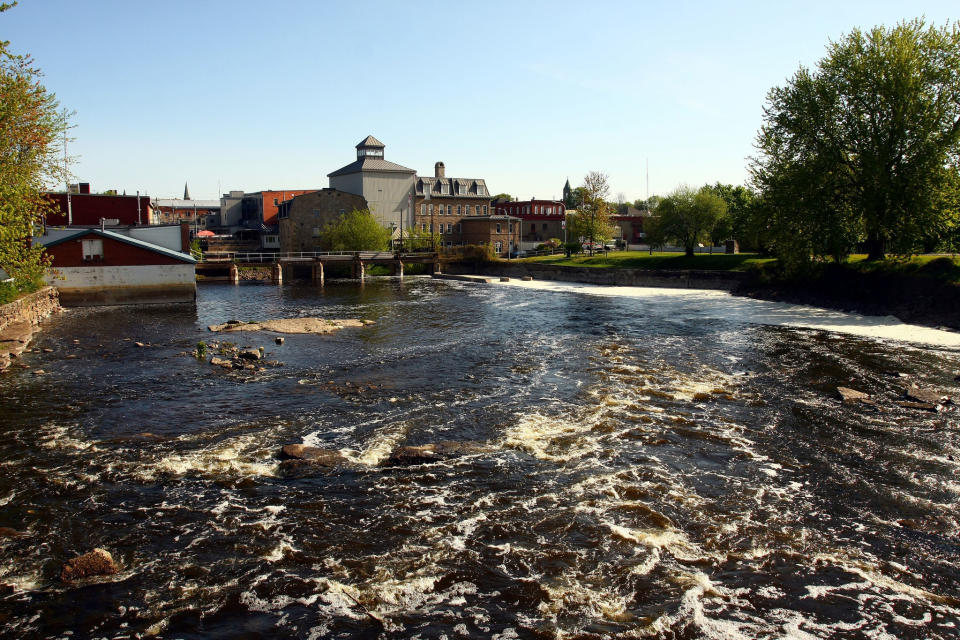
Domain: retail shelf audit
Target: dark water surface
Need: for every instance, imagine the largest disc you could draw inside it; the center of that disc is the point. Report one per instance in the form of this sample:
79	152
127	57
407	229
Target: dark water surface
642	470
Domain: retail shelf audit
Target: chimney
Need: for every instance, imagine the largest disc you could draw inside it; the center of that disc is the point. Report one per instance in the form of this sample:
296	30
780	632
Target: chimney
439	171
84	187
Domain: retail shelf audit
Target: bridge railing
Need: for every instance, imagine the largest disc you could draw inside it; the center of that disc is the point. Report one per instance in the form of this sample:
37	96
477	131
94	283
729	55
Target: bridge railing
245	256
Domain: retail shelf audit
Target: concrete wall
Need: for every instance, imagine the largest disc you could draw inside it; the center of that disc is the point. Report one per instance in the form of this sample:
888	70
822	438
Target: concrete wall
142	284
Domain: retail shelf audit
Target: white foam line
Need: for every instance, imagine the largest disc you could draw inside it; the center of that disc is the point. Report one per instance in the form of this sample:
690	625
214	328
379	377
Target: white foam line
721	305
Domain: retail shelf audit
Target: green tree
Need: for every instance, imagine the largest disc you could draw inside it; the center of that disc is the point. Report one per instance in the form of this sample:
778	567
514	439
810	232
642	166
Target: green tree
861	148
357	230
687	217
592	219
503	196
31	126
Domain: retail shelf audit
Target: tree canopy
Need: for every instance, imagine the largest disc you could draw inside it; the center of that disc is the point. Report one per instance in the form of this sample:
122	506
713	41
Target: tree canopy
592	220
862	149
357	230
31	126
687	217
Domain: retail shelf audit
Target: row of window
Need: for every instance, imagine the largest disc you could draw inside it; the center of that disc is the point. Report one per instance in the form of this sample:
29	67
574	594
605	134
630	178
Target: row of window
462	189
449	228
462	210
538	210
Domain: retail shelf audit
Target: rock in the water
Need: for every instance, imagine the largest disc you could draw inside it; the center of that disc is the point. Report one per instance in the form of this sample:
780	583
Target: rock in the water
433	452
140	344
413	455
251	354
315	455
852	395
220	362
98	562
7	532
39	372
928	396
47	350
278	340
922	406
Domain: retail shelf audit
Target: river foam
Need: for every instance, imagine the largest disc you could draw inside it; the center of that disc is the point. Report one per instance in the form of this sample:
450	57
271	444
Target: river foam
720	305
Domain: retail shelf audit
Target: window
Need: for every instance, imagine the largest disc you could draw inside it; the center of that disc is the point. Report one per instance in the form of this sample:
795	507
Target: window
458	209
431	227
92	249
449	210
316	232
316	213
484	209
431	209
498	247
498	230
458	227
511	227
275	202
445	189
423	209
423	226
549	211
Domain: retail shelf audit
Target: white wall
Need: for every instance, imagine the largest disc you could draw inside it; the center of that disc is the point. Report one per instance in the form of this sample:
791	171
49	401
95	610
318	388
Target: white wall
167	236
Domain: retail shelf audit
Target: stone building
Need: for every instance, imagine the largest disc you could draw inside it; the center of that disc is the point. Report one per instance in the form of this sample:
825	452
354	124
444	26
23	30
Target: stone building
442	203
302	218
387	187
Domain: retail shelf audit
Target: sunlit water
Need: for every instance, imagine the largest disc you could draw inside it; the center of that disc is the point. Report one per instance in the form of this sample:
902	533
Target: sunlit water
648	463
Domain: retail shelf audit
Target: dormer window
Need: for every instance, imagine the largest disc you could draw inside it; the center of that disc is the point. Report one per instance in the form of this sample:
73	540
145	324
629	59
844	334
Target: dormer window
445	189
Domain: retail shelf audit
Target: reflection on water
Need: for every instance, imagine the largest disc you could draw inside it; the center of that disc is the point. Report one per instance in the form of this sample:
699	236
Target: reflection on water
642	464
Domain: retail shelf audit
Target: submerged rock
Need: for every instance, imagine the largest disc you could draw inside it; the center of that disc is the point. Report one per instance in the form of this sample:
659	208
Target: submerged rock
315	455
434	452
98	562
922	406
251	354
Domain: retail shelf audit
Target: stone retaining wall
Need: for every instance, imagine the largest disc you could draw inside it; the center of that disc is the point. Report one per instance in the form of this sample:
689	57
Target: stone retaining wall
32	308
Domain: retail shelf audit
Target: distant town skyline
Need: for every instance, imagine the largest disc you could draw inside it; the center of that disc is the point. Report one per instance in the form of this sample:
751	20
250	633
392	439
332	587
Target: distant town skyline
251	96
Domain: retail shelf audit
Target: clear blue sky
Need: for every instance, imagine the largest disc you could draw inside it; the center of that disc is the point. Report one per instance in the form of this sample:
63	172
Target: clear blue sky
256	95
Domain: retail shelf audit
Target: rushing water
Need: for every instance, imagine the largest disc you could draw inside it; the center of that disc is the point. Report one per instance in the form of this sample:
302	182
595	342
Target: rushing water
649	463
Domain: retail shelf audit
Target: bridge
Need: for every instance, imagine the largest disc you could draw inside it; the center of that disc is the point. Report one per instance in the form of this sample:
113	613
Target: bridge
225	265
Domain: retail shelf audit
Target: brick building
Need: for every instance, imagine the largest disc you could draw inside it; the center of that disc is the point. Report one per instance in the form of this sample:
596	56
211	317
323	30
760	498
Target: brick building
441	204
500	232
629	225
87	209
541	219
302	218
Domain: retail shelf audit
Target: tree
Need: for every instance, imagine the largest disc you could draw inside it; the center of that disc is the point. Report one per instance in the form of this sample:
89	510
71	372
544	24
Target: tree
506	197
740	222
861	148
687	217
31	125
357	230
592	220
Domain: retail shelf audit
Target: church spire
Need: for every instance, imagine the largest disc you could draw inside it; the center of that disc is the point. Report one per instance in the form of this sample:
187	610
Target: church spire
186	191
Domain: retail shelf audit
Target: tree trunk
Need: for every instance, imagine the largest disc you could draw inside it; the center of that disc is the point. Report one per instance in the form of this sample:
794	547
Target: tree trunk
875	246
689	251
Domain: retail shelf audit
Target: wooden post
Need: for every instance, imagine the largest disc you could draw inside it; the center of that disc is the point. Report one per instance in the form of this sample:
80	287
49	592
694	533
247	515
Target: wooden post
277	273
318	272
234	274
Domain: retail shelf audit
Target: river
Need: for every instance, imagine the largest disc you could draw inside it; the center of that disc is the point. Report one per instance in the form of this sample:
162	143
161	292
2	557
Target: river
645	463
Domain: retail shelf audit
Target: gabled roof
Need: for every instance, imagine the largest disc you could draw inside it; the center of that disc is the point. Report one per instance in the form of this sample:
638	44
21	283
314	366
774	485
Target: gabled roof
119	237
370	141
371	164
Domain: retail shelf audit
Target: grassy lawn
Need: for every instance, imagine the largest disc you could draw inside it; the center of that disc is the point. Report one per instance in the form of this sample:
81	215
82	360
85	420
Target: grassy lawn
943	268
657	260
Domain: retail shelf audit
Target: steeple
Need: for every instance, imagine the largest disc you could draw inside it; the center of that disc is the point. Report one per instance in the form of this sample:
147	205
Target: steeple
186	191
370	147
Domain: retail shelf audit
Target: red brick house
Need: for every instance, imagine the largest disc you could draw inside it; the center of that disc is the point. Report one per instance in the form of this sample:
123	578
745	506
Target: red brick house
87	208
542	219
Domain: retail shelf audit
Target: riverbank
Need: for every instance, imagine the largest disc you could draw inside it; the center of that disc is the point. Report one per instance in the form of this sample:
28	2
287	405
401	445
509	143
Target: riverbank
20	319
910	297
